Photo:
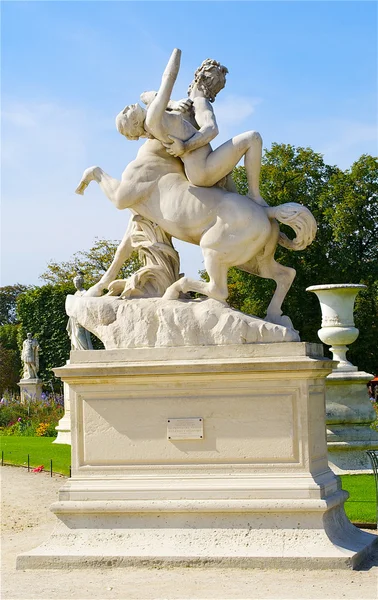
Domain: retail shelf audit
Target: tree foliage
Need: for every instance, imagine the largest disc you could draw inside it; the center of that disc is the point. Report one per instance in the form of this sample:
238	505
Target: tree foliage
8	297
41	312
93	263
345	205
10	361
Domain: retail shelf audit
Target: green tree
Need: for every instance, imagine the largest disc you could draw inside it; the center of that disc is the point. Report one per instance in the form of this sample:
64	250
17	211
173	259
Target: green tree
93	263
41	311
10	360
8	297
345	205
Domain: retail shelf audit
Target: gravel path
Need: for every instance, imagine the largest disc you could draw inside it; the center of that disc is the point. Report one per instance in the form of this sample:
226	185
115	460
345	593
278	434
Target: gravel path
27	521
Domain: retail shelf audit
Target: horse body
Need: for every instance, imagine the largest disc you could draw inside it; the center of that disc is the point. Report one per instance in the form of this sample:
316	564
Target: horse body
188	212
232	230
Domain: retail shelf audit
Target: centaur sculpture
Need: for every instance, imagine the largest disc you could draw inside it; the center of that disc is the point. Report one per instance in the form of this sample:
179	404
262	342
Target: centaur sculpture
178	182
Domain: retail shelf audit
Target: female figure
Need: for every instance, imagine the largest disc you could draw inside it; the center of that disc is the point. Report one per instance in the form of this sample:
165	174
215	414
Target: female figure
203	166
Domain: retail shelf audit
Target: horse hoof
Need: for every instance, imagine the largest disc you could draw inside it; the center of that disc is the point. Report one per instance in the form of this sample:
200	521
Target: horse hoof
81	188
171	295
282	320
94	292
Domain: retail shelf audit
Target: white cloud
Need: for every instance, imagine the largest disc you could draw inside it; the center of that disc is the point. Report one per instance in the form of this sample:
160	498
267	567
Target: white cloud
341	141
231	110
348	136
42	132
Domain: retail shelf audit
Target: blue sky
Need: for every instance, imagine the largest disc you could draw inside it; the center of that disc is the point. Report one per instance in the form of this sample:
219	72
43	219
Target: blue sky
302	72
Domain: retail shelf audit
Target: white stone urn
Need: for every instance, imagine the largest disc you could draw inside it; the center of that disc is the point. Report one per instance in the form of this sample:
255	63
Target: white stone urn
349	412
338	330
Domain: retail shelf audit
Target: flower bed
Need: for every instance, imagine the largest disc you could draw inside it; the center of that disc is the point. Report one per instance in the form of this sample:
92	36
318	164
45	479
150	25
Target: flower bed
37	417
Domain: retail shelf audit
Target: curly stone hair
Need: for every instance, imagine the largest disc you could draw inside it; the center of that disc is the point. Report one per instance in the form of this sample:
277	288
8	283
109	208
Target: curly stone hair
210	78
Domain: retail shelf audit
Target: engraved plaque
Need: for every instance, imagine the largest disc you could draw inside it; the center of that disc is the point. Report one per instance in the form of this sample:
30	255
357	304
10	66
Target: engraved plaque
185	429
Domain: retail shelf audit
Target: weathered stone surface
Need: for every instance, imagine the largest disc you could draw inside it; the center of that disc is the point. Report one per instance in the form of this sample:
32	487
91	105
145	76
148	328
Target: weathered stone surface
149	322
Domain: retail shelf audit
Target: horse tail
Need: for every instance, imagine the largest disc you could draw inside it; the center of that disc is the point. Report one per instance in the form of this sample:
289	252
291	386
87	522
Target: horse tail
300	219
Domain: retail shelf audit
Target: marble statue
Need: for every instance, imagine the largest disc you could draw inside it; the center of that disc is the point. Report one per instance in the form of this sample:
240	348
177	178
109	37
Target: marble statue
198	433
79	336
176	182
180	135
30	357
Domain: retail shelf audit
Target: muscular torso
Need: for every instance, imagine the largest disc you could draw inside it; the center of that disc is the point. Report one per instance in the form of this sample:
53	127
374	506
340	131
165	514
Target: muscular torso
151	164
162	188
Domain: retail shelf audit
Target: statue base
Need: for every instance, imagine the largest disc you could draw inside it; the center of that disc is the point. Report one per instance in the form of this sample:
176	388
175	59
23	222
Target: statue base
349	416
31	390
198	456
155	322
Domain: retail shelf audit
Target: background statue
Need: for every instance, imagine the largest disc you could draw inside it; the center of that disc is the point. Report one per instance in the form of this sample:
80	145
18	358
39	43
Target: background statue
79	336
30	358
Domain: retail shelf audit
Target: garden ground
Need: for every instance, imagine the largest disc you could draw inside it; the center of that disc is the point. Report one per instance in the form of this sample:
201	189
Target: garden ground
27	521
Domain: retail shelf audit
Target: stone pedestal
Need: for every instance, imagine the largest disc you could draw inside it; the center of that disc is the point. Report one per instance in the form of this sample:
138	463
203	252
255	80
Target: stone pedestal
349	414
242	479
64	426
31	390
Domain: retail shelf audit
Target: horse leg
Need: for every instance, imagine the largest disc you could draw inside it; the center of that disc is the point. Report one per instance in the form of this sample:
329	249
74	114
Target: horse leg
215	288
123	252
268	268
284	277
122	194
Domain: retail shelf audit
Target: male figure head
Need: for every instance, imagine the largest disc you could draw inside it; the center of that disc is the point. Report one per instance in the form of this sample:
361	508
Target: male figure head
209	78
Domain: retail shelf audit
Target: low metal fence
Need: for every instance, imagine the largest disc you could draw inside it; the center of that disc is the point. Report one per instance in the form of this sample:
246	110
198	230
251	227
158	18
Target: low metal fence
28	466
373	455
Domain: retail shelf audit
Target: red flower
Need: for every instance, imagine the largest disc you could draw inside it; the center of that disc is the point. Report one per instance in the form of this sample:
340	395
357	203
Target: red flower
38	469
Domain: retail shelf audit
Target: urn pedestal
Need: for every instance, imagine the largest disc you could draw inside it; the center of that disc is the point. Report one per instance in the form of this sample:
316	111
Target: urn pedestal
200	455
349	413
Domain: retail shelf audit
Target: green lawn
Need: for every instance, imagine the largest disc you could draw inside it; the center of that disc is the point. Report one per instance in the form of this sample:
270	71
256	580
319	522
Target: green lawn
361	506
40	449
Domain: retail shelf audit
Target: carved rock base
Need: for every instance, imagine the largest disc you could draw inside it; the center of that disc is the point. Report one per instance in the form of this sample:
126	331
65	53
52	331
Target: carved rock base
154	322
255	490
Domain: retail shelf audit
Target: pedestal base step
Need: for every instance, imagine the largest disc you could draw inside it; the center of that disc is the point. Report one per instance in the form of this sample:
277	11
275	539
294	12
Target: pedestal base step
254	540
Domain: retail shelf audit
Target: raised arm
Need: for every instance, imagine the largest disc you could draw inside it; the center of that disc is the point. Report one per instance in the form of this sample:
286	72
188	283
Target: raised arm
155	111
207	123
